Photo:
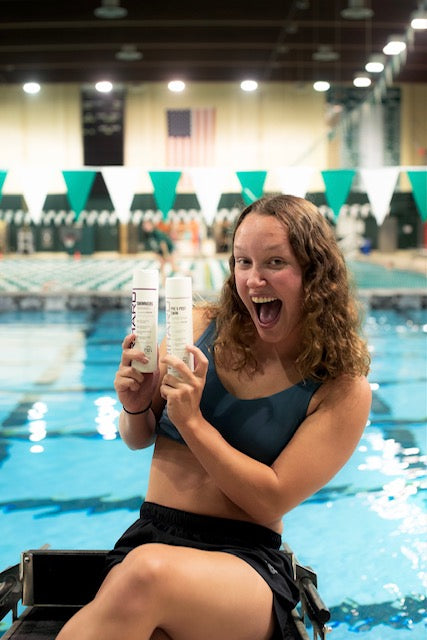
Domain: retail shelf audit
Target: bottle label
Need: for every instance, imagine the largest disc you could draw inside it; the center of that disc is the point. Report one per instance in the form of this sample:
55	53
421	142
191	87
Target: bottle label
179	329
144	325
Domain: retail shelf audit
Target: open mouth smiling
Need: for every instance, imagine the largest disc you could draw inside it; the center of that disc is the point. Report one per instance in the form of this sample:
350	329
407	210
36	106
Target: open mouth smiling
267	309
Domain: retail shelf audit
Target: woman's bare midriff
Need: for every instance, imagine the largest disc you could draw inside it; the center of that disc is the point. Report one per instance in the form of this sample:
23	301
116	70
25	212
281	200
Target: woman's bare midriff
177	480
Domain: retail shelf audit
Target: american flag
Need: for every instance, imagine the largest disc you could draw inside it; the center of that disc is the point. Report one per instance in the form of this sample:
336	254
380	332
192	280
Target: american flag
191	137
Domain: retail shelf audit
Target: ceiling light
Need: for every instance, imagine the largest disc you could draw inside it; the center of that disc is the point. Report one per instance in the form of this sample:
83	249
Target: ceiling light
419	19
31	87
249	85
394	46
129	53
110	10
104	86
321	85
362	80
325	53
176	86
375	63
356	10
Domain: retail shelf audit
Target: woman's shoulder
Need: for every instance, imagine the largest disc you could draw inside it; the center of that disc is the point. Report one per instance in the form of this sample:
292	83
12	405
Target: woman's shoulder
345	391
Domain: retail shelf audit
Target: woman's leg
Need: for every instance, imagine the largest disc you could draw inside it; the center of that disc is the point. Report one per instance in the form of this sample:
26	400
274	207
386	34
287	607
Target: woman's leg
186	593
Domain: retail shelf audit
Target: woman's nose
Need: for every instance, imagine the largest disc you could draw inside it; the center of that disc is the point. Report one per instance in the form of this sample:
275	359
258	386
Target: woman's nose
255	277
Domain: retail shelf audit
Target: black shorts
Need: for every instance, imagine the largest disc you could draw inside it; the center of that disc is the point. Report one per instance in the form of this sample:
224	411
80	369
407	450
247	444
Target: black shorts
256	545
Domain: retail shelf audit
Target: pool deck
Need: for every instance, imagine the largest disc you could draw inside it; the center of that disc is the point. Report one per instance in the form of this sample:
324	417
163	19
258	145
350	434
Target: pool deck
409	259
55	281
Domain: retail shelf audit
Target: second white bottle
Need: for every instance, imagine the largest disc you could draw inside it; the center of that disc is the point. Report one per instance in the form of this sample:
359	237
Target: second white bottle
179	319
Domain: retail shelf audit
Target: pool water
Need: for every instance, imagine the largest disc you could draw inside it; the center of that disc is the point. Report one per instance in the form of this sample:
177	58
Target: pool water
67	480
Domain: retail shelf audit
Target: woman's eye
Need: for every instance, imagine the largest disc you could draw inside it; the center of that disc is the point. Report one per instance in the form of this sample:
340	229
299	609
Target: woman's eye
277	262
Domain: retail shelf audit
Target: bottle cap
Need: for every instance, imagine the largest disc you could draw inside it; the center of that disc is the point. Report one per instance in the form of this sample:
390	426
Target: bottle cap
178	287
145	279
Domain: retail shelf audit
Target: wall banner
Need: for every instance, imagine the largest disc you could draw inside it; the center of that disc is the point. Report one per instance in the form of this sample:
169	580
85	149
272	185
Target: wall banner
102	120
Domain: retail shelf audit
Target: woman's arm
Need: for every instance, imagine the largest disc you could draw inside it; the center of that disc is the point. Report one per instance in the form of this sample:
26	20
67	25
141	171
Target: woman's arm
137	431
321	446
137	391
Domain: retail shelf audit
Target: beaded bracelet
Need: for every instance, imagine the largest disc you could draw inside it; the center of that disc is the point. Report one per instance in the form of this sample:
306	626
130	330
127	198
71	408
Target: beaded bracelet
137	413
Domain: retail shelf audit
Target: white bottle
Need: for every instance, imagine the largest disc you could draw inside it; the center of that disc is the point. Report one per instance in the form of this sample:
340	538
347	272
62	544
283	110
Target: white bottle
145	311
179	319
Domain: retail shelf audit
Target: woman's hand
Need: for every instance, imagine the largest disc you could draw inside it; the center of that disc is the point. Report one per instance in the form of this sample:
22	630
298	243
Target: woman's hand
184	391
134	389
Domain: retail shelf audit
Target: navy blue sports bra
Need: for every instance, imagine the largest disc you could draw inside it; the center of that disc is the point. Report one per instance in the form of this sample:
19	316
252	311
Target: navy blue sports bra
260	427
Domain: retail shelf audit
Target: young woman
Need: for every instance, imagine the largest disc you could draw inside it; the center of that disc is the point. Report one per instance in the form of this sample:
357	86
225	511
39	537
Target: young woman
275	406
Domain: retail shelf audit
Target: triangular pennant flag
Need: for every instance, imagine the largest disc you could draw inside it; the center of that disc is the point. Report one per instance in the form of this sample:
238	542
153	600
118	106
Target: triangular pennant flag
121	183
294	181
418	178
79	183
338	184
35	183
252	184
164	183
208	185
3	175
379	185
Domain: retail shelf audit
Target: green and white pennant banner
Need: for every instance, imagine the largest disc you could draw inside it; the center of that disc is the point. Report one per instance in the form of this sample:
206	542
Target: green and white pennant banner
79	183
294	181
252	183
379	185
338	184
121	183
3	175
164	183
208	186
35	186
418	179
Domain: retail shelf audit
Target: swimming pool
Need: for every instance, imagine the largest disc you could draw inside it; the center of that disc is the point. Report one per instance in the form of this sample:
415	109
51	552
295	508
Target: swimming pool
67	480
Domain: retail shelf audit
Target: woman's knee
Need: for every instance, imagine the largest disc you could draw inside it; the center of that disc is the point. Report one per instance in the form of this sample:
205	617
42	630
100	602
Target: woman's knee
144	569
130	591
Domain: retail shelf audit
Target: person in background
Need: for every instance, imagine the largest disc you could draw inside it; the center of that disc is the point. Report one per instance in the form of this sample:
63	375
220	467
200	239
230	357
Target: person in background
275	406
160	243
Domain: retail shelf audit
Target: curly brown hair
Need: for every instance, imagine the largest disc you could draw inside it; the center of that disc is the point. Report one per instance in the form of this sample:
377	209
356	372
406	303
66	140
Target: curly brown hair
331	344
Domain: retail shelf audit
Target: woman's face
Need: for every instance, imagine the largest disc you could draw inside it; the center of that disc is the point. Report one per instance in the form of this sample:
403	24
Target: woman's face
268	277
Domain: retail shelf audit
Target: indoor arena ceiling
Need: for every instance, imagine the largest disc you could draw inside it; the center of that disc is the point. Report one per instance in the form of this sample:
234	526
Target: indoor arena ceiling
136	41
